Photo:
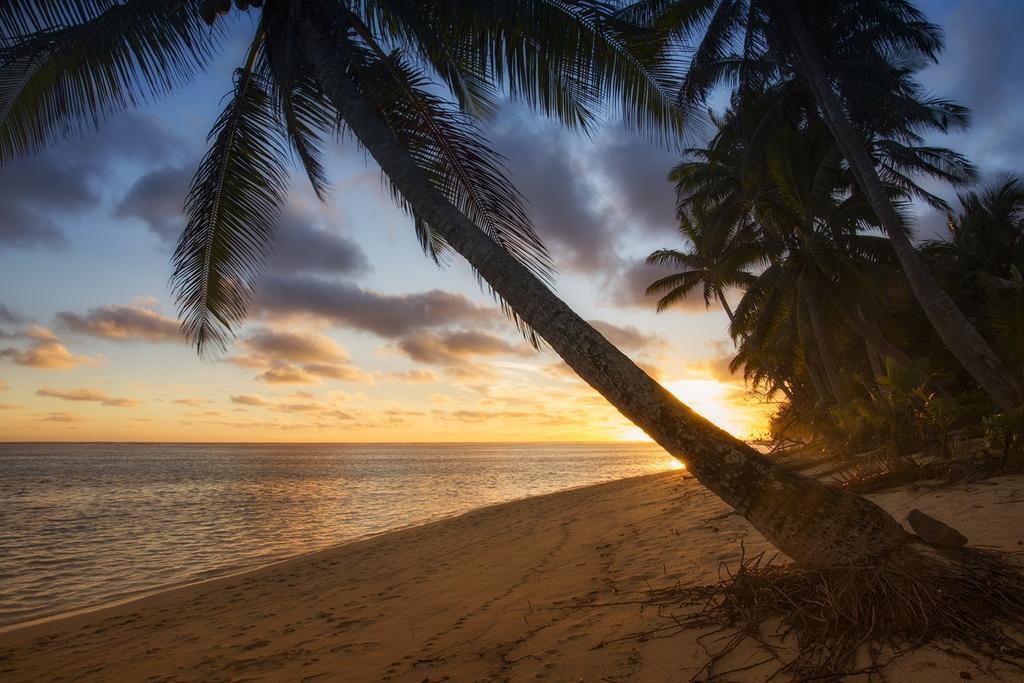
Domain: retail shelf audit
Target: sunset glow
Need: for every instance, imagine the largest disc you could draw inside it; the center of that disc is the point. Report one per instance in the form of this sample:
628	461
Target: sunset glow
353	335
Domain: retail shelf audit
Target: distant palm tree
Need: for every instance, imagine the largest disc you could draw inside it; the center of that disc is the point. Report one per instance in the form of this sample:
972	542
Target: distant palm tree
316	66
720	251
987	234
856	58
784	189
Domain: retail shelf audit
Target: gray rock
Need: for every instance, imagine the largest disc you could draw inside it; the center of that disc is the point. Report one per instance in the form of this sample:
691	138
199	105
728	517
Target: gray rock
935	532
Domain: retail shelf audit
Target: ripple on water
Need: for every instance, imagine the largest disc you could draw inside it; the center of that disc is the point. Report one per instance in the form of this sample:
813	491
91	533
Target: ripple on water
83	524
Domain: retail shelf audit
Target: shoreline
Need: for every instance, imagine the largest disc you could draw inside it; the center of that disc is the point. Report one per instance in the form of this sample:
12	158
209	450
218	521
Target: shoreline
231	573
544	587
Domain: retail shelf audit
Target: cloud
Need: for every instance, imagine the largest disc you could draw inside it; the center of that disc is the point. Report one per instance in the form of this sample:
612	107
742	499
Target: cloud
455	347
305	242
287	374
635	173
249	400
563	200
88	395
324	411
33	191
626	289
483	415
46	352
293	358
10	317
306	245
313	373
983	57
587	198
628	337
717	366
38	193
414	376
191	402
123	323
60	417
343	373
157	199
310	348
348	305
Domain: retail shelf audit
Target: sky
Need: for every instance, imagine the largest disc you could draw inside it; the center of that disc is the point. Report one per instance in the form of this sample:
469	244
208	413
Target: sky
354	335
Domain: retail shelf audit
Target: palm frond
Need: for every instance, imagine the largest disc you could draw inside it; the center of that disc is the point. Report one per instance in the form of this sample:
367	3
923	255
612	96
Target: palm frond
450	149
570	59
68	79
724	28
232	209
19	18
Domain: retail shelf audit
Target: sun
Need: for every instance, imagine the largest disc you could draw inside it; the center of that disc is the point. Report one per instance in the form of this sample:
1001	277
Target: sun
724	404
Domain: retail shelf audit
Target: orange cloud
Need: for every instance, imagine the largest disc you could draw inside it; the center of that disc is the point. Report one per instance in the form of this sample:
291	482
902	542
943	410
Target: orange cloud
456	347
415	376
88	395
288	374
628	337
60	417
302	348
249	400
191	402
46	352
292	358
123	323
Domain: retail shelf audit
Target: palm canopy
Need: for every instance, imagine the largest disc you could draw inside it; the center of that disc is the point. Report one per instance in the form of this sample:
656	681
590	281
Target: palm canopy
872	48
771	204
430	68
988	231
719	254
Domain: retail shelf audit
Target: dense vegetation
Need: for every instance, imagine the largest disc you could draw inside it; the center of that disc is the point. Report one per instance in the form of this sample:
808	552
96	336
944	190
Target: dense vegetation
826	325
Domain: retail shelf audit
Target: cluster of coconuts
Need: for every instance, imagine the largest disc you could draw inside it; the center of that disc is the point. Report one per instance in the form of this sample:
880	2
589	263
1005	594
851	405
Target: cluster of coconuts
211	9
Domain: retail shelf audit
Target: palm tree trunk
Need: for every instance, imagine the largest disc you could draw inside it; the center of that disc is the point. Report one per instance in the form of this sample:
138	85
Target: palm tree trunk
825	352
962	339
809	521
725	306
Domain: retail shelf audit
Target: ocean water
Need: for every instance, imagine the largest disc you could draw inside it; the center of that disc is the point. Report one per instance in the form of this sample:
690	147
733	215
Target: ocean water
86	524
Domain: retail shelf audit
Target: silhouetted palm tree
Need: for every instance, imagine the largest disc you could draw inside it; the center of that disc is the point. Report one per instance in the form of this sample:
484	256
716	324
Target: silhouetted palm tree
984	257
720	252
856	58
315	66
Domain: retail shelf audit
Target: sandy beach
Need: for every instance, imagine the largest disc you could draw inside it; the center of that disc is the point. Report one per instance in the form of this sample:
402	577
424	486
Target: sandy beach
500	593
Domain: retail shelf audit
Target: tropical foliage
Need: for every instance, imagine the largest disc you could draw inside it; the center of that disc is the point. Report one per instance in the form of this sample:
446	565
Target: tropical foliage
824	322
67	67
856	61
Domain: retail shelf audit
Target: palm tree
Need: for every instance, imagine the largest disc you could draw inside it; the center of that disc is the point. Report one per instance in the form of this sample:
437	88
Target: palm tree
987	234
856	59
780	183
318	65
984	257
721	250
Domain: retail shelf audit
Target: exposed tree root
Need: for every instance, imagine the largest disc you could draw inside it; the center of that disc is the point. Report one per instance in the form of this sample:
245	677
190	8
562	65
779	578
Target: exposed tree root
853	620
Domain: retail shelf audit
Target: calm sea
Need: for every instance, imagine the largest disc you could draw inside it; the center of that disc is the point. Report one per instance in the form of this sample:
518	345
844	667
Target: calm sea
85	524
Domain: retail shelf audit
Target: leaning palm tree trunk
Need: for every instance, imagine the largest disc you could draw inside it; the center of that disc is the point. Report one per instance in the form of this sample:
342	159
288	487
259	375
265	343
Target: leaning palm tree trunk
962	339
810	522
